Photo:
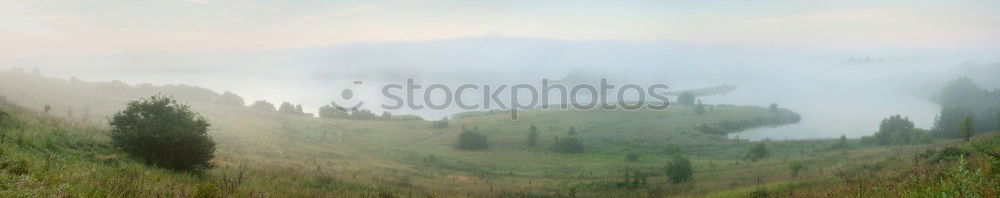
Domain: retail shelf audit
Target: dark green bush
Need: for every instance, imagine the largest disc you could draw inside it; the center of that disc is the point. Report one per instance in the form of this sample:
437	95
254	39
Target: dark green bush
471	140
679	169
164	133
568	145
631	157
757	151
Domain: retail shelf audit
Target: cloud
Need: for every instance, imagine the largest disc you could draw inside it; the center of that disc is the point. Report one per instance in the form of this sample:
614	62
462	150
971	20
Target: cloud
198	1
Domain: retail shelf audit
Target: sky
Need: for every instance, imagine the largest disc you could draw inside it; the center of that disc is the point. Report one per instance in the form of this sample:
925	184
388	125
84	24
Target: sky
44	28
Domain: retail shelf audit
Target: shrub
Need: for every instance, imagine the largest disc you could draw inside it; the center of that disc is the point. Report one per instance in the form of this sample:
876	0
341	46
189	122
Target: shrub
471	140
164	133
795	168
440	124
568	145
533	136
631	157
679	169
757	151
686	98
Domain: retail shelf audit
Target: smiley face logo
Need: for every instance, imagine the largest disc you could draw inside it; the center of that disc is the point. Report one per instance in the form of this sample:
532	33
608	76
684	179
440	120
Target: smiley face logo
347	96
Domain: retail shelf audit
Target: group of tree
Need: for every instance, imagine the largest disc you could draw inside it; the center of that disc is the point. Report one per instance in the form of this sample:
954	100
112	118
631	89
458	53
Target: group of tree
471	140
333	111
898	130
230	99
287	107
263	105
961	99
841	143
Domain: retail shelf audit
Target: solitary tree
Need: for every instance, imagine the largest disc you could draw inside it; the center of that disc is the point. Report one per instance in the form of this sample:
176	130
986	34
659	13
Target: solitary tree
686	98
757	151
47	109
773	107
679	169
842	144
385	116
795	168
533	136
699	108
164	133
967	128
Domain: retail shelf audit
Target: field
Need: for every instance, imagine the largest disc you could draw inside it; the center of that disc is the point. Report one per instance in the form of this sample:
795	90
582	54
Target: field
273	154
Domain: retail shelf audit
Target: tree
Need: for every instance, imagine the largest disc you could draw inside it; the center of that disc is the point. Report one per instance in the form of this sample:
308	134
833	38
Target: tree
533	135
773	107
287	107
567	145
363	114
686	98
571	132
328	111
795	168
298	109
48	108
471	140
263	105
679	169
443	124
967	128
230	98
699	108
385	116
842	143
163	133
895	129
757	151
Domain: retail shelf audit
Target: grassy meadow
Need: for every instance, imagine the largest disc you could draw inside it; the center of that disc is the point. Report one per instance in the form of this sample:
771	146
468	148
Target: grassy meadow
273	154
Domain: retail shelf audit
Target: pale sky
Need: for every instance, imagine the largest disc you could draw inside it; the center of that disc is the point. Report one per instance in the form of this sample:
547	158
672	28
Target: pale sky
39	28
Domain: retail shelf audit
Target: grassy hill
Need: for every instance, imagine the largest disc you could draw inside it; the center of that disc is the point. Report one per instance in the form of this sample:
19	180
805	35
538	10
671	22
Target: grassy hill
263	153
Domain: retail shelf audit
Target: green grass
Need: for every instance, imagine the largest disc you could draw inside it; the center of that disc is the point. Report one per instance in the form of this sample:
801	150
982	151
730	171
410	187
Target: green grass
289	155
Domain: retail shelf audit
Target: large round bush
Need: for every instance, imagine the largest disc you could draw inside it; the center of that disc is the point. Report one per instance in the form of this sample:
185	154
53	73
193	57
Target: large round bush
164	133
